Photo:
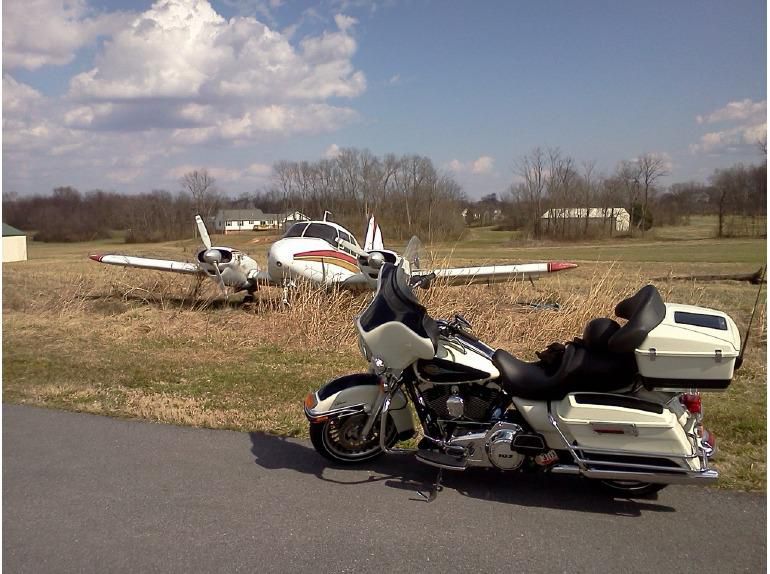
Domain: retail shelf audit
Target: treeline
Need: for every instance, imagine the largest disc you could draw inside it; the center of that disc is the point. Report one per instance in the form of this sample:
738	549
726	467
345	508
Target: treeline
550	182
69	215
407	194
410	196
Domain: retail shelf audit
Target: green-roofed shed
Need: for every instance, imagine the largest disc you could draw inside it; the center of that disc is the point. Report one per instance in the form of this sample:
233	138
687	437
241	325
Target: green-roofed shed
14	244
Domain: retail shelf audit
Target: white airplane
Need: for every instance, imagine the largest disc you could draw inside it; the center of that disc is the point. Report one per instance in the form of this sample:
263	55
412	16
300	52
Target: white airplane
325	253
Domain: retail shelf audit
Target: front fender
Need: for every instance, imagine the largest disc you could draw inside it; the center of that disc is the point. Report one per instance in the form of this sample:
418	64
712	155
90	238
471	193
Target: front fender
356	393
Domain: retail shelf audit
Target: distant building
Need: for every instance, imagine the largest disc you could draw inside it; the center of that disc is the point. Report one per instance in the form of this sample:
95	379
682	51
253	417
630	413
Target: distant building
14	244
232	220
617	218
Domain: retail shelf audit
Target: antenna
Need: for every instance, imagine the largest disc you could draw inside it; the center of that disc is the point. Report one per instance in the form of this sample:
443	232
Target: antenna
739	360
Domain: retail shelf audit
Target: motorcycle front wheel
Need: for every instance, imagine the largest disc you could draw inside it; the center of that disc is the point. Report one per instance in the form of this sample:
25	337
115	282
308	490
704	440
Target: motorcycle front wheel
632	488
340	440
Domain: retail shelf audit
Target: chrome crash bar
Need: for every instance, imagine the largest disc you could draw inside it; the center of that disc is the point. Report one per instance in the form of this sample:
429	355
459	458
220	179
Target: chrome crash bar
634	471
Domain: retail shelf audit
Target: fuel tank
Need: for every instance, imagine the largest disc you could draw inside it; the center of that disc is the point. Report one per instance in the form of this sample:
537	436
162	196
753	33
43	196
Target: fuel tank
456	362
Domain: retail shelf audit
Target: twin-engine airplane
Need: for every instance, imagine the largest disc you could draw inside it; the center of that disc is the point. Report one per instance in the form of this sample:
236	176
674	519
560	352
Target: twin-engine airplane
325	253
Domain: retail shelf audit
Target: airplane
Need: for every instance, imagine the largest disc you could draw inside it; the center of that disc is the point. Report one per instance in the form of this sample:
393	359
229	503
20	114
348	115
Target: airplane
325	253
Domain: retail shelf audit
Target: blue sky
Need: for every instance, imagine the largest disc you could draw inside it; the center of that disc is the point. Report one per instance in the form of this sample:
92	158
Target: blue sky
129	95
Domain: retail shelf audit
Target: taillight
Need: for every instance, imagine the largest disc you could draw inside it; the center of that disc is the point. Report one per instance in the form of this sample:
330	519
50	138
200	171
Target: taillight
692	403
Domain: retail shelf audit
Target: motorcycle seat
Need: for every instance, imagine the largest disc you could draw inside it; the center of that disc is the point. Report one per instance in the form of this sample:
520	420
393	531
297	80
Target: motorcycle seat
580	370
530	380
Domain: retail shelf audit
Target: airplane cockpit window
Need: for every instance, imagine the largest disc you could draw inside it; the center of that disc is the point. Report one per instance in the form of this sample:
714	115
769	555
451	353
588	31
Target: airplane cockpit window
296	230
321	231
349	239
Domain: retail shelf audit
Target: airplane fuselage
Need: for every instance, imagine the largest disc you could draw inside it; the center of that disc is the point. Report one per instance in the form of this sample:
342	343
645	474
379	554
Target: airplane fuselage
311	259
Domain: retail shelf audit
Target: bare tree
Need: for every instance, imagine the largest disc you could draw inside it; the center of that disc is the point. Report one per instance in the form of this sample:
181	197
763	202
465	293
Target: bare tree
588	193
651	168
629	176
532	169
201	186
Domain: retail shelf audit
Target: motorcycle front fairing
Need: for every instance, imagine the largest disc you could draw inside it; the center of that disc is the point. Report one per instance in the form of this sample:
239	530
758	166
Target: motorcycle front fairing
396	324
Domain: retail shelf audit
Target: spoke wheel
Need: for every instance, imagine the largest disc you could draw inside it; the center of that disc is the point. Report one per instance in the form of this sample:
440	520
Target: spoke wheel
340	439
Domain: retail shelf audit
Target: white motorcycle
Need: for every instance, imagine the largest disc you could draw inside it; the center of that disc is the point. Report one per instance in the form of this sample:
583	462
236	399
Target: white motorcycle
621	404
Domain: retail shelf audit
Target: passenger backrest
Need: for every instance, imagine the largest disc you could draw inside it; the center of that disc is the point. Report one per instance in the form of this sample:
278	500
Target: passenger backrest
597	333
645	310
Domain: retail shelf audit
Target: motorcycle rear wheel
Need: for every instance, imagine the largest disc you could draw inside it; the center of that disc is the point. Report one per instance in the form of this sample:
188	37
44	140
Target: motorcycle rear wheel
339	439
632	488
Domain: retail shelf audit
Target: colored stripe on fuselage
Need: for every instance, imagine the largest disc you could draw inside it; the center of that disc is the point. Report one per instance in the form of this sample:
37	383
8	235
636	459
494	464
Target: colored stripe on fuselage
329	257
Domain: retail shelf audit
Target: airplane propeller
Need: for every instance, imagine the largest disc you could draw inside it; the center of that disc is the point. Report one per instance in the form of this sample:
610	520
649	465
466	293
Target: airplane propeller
211	256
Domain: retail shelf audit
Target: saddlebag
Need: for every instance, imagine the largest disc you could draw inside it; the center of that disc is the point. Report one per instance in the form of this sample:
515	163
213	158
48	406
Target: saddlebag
692	348
623	429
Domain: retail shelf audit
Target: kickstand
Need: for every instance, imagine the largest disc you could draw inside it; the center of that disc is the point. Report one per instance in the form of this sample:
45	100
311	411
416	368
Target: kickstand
435	490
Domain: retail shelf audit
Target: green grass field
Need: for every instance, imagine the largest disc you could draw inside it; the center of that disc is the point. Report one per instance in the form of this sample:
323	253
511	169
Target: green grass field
88	337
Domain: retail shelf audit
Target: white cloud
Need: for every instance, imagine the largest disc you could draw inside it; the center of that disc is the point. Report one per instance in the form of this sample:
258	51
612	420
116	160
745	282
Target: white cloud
49	32
484	164
181	66
394	80
183	49
176	76
736	111
344	23
251	173
744	123
332	151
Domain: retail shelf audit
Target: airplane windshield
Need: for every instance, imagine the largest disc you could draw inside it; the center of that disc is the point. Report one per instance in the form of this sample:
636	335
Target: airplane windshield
296	230
321	231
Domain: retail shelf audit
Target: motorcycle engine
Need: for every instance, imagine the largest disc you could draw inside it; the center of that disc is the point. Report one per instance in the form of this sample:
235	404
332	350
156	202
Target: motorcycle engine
499	443
466	401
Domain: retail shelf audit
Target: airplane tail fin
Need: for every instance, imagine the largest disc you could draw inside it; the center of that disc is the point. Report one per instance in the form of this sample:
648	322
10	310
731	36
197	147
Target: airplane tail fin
373	241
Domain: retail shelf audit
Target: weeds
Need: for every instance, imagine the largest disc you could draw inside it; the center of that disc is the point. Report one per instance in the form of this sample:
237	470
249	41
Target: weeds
170	348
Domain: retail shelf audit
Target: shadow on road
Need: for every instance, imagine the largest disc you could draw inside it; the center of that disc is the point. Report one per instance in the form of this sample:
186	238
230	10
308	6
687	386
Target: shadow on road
402	472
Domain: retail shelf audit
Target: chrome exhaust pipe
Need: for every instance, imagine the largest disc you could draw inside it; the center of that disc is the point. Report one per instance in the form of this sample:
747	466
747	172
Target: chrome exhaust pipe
690	477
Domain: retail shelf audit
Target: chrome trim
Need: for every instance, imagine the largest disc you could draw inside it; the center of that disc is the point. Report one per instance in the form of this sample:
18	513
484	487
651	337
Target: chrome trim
578	454
689	477
634	453
571	450
565	469
439	465
342	411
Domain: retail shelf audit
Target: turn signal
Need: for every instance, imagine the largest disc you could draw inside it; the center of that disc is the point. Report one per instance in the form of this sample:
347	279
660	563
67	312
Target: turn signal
310	401
692	403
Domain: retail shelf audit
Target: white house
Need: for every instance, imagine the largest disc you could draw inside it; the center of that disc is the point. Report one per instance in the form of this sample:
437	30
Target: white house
14	244
295	216
232	220
617	217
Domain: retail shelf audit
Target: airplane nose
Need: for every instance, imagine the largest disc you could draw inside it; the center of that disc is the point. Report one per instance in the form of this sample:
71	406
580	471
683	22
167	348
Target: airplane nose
279	260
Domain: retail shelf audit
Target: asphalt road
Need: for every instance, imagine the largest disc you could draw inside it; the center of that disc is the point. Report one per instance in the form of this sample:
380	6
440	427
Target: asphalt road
83	493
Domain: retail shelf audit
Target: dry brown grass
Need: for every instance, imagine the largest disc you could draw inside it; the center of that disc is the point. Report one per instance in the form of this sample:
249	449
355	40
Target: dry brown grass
168	348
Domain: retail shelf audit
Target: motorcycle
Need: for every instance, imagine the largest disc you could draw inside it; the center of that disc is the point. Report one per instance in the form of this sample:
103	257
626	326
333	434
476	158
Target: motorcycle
621	404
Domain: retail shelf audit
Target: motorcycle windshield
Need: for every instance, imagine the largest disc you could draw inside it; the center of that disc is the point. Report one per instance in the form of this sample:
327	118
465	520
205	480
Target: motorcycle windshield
395	301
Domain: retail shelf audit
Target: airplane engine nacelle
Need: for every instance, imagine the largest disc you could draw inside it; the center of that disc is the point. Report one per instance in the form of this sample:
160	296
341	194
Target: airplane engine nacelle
236	267
371	264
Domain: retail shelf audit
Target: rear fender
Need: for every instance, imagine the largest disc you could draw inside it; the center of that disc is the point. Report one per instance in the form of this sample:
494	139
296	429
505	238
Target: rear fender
354	394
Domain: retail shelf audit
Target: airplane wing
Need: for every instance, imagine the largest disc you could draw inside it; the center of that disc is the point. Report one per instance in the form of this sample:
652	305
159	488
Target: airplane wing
496	273
146	263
